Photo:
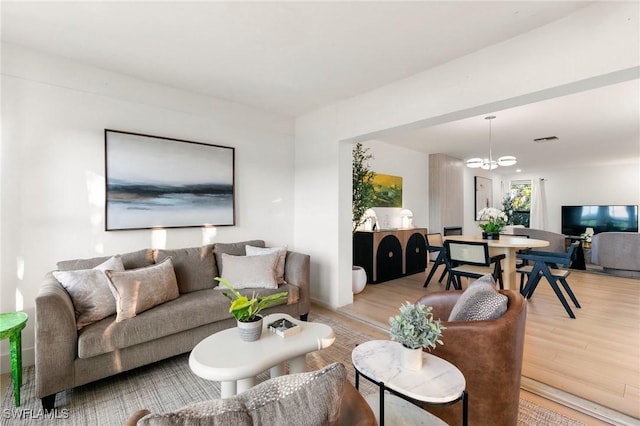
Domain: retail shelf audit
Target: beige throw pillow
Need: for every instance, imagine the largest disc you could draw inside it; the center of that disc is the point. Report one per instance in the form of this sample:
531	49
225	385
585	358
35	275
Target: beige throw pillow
282	255
89	291
140	289
480	301
250	271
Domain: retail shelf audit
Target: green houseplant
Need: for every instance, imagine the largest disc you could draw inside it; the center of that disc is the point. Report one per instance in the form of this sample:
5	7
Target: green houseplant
362	184
244	309
415	328
494	220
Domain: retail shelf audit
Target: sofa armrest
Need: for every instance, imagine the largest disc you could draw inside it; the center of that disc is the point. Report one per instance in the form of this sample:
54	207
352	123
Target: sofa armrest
354	410
297	271
56	339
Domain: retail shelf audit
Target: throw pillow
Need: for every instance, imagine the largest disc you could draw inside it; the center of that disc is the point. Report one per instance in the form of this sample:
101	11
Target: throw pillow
140	289
282	256
217	411
236	249
194	267
89	291
132	260
312	398
250	271
480	301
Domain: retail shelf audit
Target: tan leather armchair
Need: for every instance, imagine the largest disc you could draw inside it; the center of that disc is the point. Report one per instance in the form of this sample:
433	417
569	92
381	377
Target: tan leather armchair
489	354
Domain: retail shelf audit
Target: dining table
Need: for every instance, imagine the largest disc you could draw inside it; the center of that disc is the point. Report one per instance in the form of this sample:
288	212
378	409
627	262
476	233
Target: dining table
508	245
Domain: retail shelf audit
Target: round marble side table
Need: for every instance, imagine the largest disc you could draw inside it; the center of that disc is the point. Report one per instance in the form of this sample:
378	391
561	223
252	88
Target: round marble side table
11	325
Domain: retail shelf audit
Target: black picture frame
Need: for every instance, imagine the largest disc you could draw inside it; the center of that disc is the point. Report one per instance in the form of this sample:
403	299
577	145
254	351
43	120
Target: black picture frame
156	182
483	194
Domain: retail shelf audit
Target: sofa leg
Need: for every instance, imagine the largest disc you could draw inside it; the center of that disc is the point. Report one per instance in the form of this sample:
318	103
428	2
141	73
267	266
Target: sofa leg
304	317
48	402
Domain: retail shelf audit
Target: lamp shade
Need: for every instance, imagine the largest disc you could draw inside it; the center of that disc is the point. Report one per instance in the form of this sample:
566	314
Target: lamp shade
507	160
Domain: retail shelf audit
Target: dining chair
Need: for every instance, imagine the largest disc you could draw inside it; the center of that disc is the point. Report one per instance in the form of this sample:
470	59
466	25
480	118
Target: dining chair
452	230
554	268
435	244
471	259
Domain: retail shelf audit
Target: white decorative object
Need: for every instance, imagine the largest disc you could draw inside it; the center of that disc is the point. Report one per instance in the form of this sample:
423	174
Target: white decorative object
412	359
358	279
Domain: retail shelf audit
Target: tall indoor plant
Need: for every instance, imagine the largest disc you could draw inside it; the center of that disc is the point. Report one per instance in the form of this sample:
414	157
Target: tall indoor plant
362	177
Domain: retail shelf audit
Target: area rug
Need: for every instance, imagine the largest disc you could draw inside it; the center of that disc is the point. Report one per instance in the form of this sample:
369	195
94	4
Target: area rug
168	385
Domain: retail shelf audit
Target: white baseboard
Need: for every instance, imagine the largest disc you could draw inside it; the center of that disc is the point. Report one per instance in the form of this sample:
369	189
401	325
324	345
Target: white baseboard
28	358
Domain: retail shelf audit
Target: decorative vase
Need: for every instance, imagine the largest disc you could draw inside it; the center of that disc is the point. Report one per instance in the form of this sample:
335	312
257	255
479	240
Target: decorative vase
490	235
250	331
411	359
358	279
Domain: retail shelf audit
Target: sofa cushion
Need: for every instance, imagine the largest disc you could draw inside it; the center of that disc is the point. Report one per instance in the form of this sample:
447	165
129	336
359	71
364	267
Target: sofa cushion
236	249
89	291
194	267
203	307
282	256
250	271
132	260
140	289
228	411
311	398
277	401
480	301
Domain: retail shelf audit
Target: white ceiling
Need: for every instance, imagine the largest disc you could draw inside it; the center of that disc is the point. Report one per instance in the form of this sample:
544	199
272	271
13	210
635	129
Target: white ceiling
294	57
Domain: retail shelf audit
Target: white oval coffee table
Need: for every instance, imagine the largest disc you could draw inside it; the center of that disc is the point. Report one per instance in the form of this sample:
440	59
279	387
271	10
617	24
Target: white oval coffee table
225	358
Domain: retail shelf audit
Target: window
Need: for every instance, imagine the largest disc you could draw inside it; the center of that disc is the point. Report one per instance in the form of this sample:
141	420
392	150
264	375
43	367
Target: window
517	203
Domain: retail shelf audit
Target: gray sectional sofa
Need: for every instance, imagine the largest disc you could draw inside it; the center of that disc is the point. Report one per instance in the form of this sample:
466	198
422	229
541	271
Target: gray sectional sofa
69	355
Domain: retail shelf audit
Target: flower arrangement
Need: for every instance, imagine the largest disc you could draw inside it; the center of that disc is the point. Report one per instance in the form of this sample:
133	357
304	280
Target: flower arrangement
495	220
415	327
244	309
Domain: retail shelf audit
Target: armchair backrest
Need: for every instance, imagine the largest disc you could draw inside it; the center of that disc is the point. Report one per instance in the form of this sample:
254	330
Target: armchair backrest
471	252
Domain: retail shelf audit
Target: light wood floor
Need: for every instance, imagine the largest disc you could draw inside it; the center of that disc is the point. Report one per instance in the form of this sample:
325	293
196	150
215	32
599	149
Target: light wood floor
591	363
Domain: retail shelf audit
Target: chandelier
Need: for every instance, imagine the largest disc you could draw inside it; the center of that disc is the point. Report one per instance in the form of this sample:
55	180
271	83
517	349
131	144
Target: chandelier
490	163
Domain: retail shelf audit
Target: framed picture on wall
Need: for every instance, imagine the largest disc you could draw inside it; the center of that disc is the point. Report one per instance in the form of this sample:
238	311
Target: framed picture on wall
387	191
157	182
484	194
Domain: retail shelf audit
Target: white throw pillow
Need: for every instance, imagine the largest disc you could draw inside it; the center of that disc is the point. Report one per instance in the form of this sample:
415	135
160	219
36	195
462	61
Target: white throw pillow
89	290
137	290
282	255
480	301
250	271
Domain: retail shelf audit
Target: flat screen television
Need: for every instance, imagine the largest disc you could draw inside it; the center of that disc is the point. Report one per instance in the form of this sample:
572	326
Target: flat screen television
612	218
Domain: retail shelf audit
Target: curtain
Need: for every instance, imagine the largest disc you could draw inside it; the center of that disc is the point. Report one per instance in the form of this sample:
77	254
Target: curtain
538	205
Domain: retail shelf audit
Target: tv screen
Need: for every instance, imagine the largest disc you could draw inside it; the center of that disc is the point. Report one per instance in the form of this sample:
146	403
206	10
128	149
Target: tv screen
575	219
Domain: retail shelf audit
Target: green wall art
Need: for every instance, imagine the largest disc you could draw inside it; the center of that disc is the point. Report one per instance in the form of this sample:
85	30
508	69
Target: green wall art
387	191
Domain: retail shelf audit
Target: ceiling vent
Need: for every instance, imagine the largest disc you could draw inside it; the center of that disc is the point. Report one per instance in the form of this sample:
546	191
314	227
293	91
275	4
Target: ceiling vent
546	139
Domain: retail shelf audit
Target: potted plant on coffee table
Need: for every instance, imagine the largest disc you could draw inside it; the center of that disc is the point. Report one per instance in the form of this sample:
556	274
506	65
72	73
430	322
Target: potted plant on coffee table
246	310
416	330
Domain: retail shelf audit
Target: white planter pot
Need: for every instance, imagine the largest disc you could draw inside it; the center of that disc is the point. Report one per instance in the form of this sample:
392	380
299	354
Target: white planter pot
250	331
412	359
358	279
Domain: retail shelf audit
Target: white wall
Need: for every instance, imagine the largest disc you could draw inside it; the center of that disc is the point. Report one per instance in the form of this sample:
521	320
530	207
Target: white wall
54	113
597	45
611	184
413	167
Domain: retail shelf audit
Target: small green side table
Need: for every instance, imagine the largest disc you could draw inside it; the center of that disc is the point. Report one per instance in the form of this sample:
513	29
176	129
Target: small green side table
11	325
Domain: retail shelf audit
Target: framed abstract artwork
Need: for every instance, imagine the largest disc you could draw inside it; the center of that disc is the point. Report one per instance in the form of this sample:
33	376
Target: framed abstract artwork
157	182
387	191
484	194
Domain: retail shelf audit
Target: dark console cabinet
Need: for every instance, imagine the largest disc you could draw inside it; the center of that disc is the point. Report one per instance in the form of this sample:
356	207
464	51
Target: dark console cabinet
390	254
